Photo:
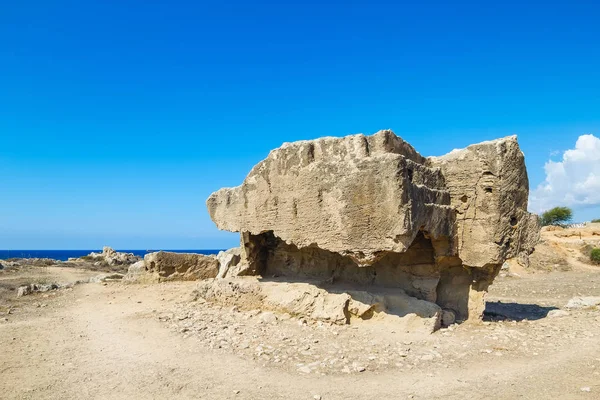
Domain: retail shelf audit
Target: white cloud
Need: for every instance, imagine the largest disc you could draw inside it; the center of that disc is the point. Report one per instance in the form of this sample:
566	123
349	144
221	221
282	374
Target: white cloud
572	182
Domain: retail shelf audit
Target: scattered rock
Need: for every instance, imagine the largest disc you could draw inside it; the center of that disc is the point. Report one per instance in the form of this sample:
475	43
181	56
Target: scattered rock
558	313
268	318
106	278
23	291
583	302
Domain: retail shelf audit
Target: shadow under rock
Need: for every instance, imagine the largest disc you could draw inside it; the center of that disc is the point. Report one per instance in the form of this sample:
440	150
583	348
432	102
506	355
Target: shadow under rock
498	311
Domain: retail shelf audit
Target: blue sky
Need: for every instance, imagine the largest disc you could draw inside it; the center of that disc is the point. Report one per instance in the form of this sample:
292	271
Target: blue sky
118	119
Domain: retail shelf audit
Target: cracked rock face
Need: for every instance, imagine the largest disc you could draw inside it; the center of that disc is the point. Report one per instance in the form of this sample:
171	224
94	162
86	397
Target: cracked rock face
369	212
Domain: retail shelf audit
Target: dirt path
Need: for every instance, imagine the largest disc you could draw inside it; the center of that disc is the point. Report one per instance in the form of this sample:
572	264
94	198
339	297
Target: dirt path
106	342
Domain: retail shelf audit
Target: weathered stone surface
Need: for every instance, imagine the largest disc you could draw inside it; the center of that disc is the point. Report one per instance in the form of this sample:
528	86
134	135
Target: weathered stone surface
165	266
335	305
338	195
369	212
489	189
137	272
228	262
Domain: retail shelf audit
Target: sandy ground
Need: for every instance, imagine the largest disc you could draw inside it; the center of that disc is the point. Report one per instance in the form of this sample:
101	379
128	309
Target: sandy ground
117	341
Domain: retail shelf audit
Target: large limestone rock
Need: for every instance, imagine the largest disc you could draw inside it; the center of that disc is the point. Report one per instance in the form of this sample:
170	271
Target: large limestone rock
339	195
369	212
166	266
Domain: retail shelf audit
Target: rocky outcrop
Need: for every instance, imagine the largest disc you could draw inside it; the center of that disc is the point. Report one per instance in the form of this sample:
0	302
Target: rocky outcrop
370	213
165	266
328	193
112	257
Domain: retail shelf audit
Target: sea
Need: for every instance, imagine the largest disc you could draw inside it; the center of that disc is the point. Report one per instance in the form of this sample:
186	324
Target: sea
64	255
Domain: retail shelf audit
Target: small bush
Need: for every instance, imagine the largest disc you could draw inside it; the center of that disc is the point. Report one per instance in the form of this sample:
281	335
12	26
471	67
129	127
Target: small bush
596	221
557	216
595	256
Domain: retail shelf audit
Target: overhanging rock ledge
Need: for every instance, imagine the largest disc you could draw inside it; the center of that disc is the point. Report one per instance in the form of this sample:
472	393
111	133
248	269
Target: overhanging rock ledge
369	213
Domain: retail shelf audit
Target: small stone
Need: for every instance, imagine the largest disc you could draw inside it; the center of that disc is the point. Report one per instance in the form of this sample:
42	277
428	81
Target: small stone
448	317
586	389
583	302
285	317
236	392
268	318
317	397
304	369
558	313
359	368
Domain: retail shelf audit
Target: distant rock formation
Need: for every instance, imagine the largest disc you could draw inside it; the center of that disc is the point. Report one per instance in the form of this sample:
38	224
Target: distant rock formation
111	257
369	213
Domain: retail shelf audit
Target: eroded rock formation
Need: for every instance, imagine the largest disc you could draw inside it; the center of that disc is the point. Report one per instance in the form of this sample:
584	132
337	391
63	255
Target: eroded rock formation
166	266
110	257
369	213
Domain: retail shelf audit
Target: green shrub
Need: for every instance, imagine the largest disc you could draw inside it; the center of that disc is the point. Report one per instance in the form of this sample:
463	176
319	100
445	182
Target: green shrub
596	220
556	216
595	256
